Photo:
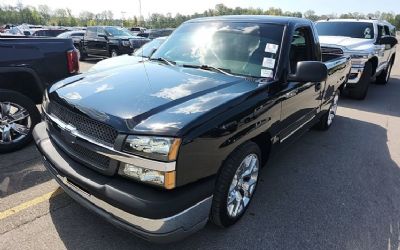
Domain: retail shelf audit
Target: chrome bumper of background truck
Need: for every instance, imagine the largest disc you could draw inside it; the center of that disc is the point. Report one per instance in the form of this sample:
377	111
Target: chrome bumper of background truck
355	74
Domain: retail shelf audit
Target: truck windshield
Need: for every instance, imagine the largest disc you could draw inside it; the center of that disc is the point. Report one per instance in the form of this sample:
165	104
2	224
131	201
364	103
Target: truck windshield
113	31
247	49
361	30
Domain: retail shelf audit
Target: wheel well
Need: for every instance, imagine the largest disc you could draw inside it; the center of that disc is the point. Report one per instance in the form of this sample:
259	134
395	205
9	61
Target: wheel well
264	142
113	47
374	63
22	82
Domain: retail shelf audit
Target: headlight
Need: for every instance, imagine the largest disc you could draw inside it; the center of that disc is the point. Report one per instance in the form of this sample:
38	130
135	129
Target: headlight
153	147
164	179
359	59
126	43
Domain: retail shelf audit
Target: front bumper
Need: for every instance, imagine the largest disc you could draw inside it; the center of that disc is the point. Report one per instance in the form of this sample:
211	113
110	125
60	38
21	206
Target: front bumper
355	75
69	175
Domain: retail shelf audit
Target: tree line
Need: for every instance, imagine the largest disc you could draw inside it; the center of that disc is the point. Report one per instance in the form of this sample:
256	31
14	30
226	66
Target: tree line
44	15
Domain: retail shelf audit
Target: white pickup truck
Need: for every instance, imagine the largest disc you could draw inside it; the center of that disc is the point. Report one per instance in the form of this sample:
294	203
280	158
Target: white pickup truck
371	45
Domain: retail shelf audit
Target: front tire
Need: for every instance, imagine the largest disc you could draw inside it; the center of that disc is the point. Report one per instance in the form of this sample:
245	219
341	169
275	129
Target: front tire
18	117
113	53
236	185
326	120
82	55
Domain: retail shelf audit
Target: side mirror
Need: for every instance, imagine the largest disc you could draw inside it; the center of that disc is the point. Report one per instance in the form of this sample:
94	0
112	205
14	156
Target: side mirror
102	35
388	40
309	71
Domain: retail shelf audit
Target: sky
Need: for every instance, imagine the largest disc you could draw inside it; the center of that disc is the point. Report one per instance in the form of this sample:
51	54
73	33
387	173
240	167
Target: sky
129	8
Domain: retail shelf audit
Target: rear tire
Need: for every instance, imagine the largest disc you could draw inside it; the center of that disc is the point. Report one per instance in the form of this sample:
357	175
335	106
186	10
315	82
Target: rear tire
114	53
82	55
384	77
360	91
15	135
236	184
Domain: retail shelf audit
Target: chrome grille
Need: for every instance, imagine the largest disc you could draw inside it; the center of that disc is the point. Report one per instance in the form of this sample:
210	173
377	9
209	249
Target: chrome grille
79	153
91	128
331	50
86	156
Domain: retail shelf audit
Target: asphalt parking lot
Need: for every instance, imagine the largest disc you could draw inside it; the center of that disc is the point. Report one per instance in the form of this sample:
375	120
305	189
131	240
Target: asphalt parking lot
332	190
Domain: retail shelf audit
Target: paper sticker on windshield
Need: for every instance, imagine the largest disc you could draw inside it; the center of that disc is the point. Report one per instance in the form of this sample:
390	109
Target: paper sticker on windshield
268	62
271	48
266	73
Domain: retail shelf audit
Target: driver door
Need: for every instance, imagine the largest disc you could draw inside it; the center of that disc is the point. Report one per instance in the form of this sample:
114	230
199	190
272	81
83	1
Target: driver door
301	99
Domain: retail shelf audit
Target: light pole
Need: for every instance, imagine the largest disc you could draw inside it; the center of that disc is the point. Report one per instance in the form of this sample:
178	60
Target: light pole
140	13
123	17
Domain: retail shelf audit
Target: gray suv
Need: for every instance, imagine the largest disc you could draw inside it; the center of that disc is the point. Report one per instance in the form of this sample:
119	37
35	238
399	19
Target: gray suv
371	45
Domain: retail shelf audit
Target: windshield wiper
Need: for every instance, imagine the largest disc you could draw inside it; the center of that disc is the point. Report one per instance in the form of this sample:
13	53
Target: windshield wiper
162	59
209	67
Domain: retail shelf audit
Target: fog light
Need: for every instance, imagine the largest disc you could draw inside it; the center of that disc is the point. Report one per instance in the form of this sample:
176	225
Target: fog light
165	179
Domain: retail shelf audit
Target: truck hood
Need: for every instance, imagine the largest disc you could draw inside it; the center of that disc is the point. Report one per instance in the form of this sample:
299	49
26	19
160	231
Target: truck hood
148	97
347	42
116	62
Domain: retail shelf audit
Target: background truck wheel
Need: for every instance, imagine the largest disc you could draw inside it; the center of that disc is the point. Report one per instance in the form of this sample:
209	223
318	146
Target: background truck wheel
384	77
236	185
113	53
326	120
360	92
82	55
18	116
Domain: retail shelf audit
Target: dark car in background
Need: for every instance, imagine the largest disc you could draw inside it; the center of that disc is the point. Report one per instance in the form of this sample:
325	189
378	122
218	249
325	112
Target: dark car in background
75	35
46	32
140	55
109	41
154	33
137	30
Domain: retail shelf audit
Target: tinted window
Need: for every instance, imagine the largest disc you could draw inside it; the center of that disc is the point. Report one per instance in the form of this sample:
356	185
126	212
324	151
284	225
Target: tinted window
300	48
100	31
249	49
349	29
387	30
114	31
393	31
77	34
91	31
381	31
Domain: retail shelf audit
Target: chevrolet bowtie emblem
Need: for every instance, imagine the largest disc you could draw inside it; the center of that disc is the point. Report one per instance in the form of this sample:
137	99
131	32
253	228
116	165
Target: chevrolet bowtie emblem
68	133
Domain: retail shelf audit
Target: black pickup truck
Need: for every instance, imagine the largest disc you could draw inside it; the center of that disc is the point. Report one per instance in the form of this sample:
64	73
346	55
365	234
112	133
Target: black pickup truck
160	147
109	41
27	67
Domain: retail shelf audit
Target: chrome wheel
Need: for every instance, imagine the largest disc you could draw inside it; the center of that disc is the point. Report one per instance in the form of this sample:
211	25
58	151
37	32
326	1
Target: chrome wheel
114	53
15	123
332	110
243	185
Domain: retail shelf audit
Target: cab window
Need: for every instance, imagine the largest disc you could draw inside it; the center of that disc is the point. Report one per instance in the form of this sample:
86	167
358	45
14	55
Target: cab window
381	31
100	31
387	30
91	31
300	48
